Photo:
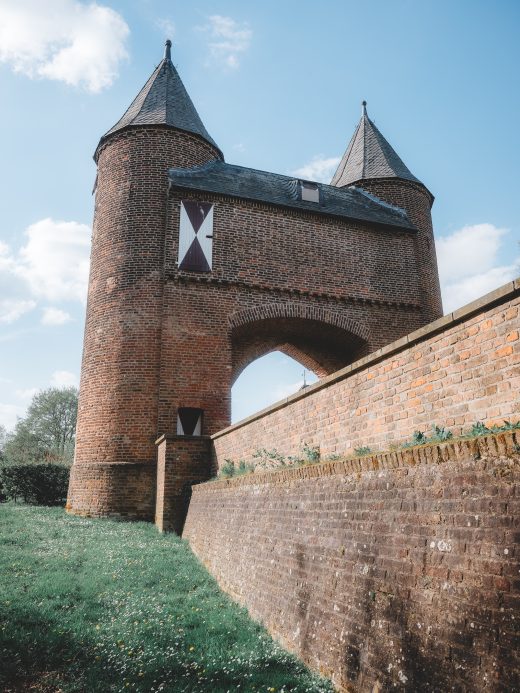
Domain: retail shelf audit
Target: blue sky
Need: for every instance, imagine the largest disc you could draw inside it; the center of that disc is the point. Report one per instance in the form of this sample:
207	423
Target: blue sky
278	86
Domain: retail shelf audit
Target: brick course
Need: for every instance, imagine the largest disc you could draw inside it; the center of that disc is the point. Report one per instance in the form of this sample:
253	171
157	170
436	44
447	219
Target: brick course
394	571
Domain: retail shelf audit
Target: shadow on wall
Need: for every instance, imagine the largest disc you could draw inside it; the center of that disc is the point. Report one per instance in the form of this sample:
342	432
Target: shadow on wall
390	640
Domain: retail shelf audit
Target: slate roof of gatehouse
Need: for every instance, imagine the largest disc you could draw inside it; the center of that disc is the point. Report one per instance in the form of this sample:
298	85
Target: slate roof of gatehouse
163	101
283	191
369	155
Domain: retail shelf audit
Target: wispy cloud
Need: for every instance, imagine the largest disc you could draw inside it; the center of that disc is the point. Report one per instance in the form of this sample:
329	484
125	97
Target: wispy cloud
469	265
52	265
11	309
229	39
54	316
9	414
65	40
27	393
319	168
64	379
166	26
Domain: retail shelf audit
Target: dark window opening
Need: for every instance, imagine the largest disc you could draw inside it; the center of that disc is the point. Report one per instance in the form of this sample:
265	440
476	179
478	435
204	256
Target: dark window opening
189	421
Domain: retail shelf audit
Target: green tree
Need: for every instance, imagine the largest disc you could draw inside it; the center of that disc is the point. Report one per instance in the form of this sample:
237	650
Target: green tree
3	438
46	433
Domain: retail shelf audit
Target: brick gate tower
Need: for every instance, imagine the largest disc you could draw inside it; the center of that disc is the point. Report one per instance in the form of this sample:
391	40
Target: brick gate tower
199	267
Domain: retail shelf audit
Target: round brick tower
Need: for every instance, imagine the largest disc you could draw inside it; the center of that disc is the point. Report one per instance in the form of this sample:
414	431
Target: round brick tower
118	406
370	163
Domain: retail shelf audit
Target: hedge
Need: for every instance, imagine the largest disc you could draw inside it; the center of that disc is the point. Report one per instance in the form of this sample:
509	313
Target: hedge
36	484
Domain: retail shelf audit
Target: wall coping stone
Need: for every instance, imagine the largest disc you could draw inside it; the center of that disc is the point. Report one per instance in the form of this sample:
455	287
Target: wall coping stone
506	444
502	294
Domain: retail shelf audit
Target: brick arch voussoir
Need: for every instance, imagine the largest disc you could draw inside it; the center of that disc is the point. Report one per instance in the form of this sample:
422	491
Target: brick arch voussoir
298	310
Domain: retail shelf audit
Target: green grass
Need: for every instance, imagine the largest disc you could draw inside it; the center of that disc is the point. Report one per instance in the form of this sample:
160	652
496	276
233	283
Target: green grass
96	605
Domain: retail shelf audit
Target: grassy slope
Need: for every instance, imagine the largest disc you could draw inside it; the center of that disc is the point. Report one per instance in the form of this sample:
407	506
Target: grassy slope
96	605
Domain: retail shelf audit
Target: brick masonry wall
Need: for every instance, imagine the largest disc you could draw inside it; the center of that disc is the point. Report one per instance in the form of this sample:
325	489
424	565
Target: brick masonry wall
182	461
417	201
398	571
275	266
126	491
460	369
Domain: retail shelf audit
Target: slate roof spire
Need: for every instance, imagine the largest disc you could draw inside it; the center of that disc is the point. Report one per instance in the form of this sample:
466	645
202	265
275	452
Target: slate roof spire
163	101
369	155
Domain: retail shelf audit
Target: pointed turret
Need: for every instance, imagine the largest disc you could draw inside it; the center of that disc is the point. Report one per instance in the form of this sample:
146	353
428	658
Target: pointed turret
368	156
370	163
162	101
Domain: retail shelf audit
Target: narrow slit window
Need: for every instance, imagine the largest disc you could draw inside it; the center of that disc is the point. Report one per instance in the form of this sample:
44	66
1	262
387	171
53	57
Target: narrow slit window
310	192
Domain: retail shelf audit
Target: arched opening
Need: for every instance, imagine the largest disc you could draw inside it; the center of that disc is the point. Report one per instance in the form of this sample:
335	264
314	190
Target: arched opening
319	342
265	381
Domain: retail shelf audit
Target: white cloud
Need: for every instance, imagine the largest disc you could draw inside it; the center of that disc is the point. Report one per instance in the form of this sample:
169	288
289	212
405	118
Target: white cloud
55	260
9	414
229	39
286	390
11	309
469	266
27	393
64	379
53	265
54	316
166	26
320	169
76	43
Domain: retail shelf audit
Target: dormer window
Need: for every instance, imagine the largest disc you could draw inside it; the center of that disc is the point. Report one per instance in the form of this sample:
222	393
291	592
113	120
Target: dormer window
309	192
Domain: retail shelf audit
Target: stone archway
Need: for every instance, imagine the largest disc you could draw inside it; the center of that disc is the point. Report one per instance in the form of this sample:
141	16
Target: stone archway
321	340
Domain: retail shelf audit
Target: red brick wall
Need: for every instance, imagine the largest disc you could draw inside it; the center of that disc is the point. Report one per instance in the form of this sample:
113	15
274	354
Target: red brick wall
126	491
458	370
417	201
181	462
396	571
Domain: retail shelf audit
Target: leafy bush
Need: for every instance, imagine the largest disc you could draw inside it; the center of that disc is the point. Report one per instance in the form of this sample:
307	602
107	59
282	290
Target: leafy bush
245	468
269	458
440	434
364	450
36	484
479	428
311	453
228	469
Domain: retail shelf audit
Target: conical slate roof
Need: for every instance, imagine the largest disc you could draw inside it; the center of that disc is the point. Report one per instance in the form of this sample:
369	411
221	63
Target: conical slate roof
163	101
369	155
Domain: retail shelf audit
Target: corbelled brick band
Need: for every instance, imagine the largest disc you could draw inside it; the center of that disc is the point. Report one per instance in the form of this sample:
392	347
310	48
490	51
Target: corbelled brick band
181	462
458	370
394	572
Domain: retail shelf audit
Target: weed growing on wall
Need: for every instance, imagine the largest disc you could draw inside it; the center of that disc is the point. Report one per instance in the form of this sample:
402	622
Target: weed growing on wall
363	450
268	458
271	459
106	607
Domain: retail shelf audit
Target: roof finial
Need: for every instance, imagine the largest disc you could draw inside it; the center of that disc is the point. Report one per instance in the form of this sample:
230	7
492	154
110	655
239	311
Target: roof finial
167	50
364	105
